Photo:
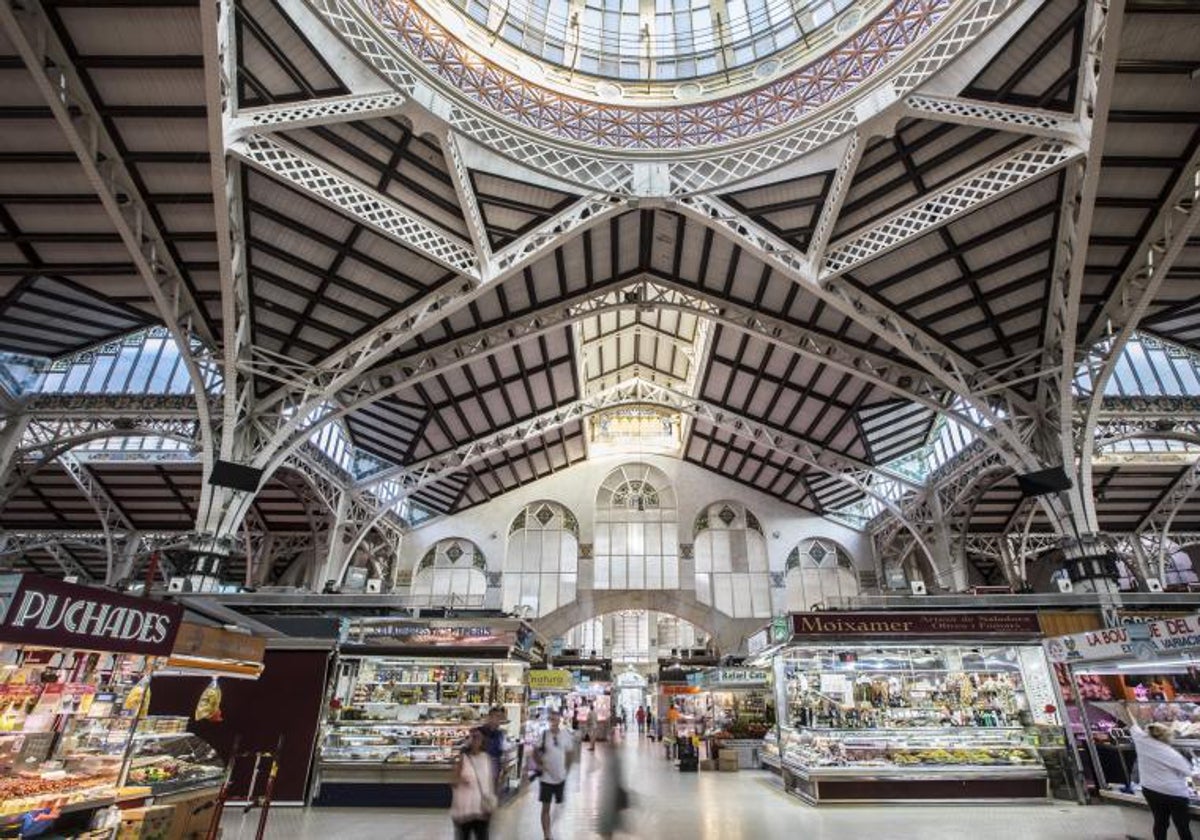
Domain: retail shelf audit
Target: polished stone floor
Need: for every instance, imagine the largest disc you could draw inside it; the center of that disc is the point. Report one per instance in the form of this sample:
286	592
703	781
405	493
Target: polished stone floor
747	805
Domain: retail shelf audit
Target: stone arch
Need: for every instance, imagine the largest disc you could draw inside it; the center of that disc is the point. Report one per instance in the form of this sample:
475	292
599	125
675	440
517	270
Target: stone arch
728	633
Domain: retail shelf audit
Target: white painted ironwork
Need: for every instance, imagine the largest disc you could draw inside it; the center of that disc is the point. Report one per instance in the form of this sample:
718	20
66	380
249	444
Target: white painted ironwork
1175	223
839	188
32	35
984	184
357	200
953	109
266	119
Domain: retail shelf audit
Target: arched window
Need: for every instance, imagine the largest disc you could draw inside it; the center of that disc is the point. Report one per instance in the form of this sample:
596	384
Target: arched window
819	571
541	566
731	561
451	573
637	538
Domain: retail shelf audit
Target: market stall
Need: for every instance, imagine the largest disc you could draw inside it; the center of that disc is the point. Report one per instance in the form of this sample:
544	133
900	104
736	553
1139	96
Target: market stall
738	707
183	770
405	696
74	687
1138	673
914	706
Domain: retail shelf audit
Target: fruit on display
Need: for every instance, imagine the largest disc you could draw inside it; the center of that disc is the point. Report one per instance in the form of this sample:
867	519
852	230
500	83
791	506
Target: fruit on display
22	792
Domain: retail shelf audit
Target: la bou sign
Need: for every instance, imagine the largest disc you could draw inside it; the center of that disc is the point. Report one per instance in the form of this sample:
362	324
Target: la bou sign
50	613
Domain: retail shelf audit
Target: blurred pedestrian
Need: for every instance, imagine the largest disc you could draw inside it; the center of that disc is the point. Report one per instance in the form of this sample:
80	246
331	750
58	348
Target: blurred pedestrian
640	717
592	728
614	796
553	755
473	791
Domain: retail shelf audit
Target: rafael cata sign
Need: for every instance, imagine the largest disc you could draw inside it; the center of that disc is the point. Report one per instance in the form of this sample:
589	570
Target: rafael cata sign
888	625
44	612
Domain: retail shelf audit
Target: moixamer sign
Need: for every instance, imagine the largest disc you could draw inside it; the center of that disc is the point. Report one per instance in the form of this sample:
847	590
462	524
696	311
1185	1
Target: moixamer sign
50	613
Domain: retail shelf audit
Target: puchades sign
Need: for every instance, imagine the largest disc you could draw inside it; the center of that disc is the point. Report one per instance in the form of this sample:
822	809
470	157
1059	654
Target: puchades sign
44	612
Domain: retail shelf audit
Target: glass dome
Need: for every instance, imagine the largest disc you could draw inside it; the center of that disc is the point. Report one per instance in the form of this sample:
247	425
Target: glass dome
654	39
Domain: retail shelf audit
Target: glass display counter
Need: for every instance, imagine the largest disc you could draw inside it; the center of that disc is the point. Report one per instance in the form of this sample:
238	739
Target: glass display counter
397	725
901	724
170	760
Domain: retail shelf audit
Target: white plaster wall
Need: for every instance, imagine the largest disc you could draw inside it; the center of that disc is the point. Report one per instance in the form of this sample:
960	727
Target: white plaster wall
487	525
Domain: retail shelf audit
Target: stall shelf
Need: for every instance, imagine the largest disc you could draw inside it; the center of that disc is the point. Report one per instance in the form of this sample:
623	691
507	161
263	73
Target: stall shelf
939	707
1139	673
73	694
738	710
406	695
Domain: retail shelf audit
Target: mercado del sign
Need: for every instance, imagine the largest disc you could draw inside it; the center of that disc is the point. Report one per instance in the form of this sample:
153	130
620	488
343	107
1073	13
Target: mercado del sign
43	612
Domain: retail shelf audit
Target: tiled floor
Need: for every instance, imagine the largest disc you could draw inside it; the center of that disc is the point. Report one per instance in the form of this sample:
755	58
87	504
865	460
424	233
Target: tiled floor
709	806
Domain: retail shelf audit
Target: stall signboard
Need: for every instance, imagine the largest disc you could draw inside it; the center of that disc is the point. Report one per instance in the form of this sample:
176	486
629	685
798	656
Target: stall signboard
43	612
543	679
903	625
1110	643
735	678
672	690
431	634
1176	634
1170	635
758	642
216	643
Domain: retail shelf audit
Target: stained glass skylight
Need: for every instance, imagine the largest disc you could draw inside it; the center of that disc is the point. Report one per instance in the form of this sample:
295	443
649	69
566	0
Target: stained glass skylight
655	39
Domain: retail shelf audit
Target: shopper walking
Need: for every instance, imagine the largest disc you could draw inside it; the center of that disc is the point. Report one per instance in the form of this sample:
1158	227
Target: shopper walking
614	796
493	739
640	717
553	755
592	728
1163	774
473	792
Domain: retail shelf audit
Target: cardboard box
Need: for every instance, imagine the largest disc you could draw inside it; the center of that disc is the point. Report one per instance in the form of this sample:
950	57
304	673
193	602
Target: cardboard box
728	761
192	815
146	823
708	764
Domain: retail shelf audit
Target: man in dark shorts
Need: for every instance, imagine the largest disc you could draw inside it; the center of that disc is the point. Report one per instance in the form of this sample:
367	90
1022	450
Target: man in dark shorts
553	756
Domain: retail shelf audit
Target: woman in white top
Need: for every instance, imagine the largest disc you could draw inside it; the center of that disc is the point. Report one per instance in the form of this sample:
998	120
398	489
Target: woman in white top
1163	774
473	795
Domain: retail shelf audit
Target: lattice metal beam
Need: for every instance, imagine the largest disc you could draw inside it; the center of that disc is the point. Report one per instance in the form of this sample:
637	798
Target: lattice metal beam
1174	224
112	519
1156	524
639	392
357	200
1103	22
268	119
839	188
982	185
1002	409
1036	121
33	37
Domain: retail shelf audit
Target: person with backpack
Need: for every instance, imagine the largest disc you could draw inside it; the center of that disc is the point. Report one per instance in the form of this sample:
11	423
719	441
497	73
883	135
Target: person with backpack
553	756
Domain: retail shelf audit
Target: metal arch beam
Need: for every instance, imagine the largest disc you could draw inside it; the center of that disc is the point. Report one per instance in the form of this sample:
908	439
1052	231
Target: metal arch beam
651	290
979	114
1176	222
1103	22
112	518
955	372
349	196
636	392
344	374
48	62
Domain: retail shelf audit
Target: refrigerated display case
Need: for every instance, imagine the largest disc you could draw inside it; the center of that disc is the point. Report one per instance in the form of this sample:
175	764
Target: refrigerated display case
398	723
902	723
